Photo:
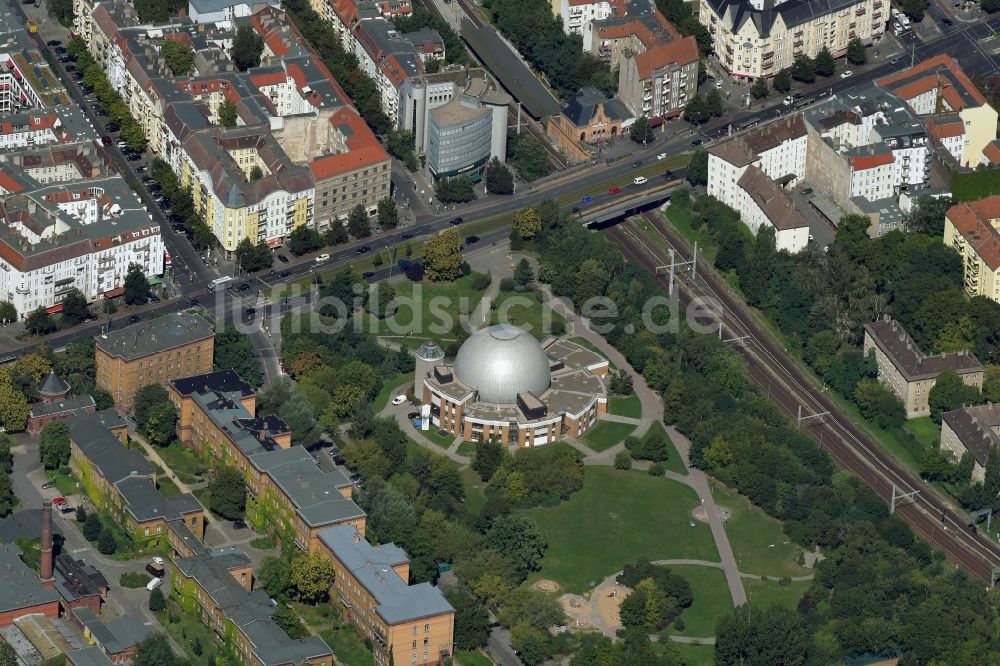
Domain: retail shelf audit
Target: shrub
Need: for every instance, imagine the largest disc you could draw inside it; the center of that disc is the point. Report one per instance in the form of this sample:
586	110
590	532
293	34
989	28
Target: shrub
481	281
656	469
623	460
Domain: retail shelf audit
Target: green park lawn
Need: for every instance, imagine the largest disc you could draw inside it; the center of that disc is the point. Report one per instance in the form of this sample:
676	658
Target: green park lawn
674	463
926	431
525	310
711	600
426	311
765	593
468	658
467	449
184	462
65	483
475	491
391	386
696	655
167	487
433	436
619	517
606	434
629	406
752	534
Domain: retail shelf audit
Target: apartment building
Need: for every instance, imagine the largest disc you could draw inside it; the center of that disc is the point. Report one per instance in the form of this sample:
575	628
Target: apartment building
757	38
217	586
909	372
872	174
578	15
973	229
587	118
31	128
939	85
288	495
744	172
224	12
405	624
57	237
659	82
639	29
974	429
178	344
122	483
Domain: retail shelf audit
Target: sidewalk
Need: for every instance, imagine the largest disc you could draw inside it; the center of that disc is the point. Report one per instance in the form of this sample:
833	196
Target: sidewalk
150	450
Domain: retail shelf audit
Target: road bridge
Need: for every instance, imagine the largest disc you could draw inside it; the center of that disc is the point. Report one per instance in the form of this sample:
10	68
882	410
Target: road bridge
630	204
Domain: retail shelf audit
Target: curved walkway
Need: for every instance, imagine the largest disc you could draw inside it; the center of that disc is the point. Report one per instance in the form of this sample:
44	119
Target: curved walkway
718	565
652	410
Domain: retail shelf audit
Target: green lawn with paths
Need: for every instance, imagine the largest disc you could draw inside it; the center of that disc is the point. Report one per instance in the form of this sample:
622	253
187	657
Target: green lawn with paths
630	406
184	462
765	593
606	434
436	438
391	386
467	449
758	541
525	310
674	463
619	517
475	491
711	600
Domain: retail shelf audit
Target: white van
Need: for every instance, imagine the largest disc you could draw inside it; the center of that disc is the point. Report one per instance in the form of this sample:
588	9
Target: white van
154	583
639	180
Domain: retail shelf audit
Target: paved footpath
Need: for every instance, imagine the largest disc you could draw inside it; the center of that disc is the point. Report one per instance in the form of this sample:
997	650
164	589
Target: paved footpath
652	410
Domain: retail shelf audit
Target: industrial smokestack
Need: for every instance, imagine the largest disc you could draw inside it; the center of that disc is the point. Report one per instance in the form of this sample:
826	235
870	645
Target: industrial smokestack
45	566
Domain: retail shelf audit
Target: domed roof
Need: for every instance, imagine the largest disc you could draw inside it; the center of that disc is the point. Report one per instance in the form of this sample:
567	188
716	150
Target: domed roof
429	351
53	385
502	361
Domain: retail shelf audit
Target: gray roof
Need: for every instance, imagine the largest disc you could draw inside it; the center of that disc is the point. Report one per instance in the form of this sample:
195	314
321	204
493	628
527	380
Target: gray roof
792	12
206	6
145	501
976	427
19	585
155	335
103	450
66	405
582	107
75	579
119	634
26	524
315	493
501	361
912	363
372	567
430	351
250	611
88	656
53	385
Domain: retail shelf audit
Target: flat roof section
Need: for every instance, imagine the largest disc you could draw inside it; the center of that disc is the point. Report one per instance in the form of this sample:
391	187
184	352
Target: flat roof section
512	74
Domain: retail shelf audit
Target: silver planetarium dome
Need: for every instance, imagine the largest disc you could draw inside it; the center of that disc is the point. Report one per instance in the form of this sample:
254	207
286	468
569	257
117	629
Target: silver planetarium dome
502	361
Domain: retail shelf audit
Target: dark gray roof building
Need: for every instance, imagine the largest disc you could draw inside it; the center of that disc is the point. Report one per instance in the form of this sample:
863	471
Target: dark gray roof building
913	364
114	636
19	585
584	105
155	335
792	12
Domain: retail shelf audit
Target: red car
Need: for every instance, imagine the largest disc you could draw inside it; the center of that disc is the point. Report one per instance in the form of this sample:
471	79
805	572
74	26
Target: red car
615	190
59	500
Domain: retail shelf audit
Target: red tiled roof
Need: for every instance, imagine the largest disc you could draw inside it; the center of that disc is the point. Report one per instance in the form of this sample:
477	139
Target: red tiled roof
364	148
267	79
862	162
681	51
8	183
972	220
914	87
992	152
945	130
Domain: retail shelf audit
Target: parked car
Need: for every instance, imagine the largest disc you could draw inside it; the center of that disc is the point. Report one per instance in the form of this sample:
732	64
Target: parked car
367	275
807	190
112	127
154	583
59	500
406	236
243	287
282	258
323	257
239	525
697	142
156	570
846	74
53	42
107	140
70	67
48	484
134	319
153	298
399	400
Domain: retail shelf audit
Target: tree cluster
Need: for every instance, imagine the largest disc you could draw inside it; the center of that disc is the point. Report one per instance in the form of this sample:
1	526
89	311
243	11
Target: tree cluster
420	18
538	476
655	446
247	48
178	57
529	159
740	437
400	144
181	204
228	493
235	351
538	36
454	190
658	596
499	179
53	445
155	415
704	107
253	257
76	365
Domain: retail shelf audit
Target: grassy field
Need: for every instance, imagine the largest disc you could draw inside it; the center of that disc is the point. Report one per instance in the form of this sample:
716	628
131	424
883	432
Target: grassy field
696	655
606	434
972	185
432	435
186	629
524	309
766	593
629	406
348	646
674	463
759	543
616	518
475	491
65	483
185	463
416	320
467	449
167	487
402	381
711	600
467	658
926	431
679	215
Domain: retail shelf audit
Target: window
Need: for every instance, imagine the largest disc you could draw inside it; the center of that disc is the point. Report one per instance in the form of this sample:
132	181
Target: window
146	532
427	628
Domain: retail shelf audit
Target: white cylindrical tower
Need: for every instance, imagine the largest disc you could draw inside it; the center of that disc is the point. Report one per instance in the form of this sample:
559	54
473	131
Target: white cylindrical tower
428	356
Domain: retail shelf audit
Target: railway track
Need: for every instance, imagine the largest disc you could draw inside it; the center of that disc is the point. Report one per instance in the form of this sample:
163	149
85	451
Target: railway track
771	369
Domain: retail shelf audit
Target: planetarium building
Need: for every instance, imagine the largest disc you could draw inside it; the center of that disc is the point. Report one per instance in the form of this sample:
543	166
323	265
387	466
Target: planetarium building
506	385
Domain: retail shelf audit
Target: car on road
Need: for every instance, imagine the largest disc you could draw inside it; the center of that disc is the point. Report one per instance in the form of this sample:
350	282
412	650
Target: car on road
107	140
697	142
153	298
101	113
282	258
668	174
457	221
615	190
140	169
363	249
284	274
70	67
250	312
636	164
894	60
243	287
846	74
355	477
48	484
471	240
112	127
661	156
399	400
193	302
53	42
807	190
406	236
639	180
367	275
323	257
134	319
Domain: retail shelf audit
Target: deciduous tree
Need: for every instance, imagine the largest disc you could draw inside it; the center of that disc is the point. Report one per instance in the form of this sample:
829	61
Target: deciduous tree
804	69
529	158
499	179
527	223
782	81
136	286
388	214
824	63
856	52
53	446
442	257
305	239
247	48
228	493
227	114
518	538
40	322
74	309
179	58
357	222
641	132
312	576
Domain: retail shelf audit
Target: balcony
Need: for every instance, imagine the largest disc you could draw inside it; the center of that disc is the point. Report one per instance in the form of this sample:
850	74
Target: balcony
860	11
768	55
876	16
648	96
797	43
877	4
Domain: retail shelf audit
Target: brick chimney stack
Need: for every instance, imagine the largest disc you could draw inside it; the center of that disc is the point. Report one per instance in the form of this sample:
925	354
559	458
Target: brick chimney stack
45	566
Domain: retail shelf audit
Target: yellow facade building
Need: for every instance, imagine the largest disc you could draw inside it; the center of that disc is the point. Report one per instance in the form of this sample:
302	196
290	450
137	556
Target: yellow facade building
973	229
